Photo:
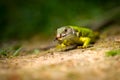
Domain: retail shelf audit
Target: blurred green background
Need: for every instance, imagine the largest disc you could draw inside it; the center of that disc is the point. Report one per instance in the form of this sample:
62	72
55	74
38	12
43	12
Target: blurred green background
22	19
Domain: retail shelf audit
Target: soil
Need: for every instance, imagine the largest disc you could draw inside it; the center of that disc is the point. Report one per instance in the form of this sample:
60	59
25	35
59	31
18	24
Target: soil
77	64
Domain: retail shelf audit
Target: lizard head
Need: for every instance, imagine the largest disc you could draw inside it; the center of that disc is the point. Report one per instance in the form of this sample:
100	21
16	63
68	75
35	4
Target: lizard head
64	32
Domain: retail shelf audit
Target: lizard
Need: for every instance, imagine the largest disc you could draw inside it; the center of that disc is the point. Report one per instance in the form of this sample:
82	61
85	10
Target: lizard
73	36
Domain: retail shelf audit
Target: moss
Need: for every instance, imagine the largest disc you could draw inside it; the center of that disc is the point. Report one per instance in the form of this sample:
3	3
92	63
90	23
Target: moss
113	52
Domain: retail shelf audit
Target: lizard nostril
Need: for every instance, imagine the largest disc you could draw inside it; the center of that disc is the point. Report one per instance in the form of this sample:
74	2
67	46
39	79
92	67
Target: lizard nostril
57	38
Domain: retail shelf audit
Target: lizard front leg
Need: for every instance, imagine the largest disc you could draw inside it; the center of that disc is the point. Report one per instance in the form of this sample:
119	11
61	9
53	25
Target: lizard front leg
85	40
61	46
65	45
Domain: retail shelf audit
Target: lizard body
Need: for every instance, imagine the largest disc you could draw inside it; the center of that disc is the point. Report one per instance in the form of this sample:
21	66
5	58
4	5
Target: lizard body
73	36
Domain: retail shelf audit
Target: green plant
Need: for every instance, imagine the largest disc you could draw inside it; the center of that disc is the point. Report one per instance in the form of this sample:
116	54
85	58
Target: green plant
113	52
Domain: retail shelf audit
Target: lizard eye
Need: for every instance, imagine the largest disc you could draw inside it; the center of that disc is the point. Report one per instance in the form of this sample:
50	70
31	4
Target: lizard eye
65	30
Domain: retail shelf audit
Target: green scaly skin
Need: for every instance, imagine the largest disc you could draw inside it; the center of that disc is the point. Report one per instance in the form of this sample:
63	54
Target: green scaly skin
68	36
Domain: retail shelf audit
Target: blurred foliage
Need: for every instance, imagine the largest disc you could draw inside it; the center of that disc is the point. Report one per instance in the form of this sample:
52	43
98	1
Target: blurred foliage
10	51
113	52
25	18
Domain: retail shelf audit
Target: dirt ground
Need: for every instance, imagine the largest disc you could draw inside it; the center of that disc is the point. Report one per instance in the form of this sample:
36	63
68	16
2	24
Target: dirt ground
77	64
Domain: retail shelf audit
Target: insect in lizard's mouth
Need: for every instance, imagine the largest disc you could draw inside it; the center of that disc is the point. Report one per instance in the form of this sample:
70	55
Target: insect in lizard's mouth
59	37
67	36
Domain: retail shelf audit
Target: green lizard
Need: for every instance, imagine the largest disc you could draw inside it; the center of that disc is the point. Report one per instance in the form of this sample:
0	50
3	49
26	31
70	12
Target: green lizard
71	36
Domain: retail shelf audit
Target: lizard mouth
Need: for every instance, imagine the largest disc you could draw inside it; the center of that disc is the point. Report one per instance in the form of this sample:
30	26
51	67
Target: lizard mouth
65	37
61	36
